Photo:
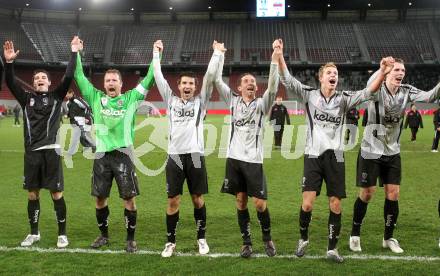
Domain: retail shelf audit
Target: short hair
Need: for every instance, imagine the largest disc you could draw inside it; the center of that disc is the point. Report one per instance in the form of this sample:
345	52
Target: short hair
399	60
37	71
242	75
114	71
188	74
322	68
70	91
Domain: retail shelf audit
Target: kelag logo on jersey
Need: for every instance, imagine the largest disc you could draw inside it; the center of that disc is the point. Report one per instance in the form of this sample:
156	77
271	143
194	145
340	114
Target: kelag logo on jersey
242	123
327	118
117	113
183	113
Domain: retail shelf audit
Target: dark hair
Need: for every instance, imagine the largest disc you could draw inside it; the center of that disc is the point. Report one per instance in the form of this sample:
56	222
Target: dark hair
40	71
242	75
114	71
187	74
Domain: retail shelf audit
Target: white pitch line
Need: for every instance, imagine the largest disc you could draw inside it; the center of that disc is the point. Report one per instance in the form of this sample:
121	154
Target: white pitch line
222	149
217	255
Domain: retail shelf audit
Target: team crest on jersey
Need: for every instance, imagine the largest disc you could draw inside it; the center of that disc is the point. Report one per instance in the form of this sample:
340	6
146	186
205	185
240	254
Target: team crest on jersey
32	102
104	101
120	103
45	101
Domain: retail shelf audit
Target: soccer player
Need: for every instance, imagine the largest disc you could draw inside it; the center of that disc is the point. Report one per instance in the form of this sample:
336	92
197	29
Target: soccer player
414	120
42	165
185	145
436	121
244	165
113	116
379	156
352	119
326	109
279	115
80	117
17	111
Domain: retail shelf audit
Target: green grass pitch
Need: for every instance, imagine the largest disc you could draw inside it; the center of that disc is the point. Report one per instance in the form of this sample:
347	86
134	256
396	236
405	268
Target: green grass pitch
418	228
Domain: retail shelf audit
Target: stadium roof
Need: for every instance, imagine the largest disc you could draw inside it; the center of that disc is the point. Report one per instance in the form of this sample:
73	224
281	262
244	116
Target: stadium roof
216	5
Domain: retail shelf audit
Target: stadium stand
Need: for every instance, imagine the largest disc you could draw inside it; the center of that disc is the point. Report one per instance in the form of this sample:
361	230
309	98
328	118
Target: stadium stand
133	44
197	43
256	38
329	41
12	31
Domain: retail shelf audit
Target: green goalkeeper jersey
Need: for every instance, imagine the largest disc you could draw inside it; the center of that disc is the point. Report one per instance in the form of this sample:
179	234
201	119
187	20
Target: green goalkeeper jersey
114	118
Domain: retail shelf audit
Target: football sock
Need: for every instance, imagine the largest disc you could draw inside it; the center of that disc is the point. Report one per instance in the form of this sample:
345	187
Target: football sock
334	228
60	212
34	215
359	211
172	221
245	225
264	219
200	218
130	223
304	221
102	219
390	213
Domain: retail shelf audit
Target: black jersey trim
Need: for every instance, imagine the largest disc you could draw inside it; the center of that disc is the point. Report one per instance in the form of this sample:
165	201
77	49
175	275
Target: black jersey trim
50	117
310	119
232	125
28	124
259	127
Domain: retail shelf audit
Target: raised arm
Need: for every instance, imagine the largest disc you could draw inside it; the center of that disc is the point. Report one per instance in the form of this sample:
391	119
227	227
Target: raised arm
85	87
272	87
373	84
63	87
376	80
294	88
147	82
211	72
16	90
162	85
222	88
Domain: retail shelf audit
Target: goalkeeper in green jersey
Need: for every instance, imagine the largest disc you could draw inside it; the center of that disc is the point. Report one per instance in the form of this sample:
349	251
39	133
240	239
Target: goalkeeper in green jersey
114	115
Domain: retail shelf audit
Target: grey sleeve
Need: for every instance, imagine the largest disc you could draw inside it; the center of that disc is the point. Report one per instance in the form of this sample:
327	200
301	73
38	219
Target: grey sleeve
222	88
294	88
209	78
272	88
417	95
162	85
354	98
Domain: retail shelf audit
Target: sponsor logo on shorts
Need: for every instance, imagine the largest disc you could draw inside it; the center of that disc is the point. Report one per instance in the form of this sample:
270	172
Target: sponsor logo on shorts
364	176
226	183
303	182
